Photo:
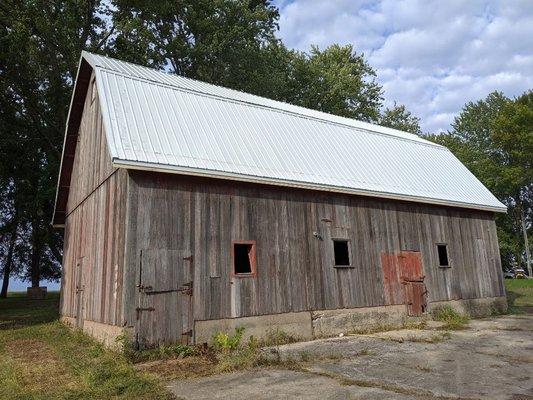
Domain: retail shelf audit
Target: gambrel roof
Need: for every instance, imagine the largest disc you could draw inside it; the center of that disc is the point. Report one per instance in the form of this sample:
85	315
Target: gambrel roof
164	122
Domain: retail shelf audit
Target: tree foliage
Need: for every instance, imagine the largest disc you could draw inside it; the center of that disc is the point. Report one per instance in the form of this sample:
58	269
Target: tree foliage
493	137
398	117
336	80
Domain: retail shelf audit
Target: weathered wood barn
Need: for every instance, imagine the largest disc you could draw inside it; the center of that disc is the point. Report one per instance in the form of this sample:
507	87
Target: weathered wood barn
190	208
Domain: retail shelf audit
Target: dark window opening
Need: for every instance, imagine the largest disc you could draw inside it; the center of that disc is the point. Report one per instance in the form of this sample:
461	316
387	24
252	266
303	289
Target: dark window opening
243	258
342	253
443	255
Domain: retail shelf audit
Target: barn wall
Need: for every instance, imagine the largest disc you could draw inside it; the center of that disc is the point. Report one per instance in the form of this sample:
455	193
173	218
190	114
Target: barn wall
294	268
92	163
94	230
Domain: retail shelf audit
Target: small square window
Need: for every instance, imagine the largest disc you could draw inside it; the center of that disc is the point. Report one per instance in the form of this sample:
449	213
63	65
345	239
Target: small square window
342	252
442	249
244	258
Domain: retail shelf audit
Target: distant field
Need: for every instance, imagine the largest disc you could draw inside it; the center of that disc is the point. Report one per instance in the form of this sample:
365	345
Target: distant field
42	359
520	295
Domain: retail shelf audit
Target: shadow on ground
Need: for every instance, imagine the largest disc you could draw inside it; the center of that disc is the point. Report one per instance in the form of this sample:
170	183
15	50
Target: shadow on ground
18	311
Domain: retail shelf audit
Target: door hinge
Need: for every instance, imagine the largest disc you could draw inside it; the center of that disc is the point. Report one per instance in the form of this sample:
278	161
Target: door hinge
186	289
139	309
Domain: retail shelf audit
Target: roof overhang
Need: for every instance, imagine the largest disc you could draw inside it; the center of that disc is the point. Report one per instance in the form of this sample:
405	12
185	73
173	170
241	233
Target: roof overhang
70	141
152	167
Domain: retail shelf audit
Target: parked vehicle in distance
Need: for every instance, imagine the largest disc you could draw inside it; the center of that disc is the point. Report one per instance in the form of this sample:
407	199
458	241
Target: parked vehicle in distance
520	274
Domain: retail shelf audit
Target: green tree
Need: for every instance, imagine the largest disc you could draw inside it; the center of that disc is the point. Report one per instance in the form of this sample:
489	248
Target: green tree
398	117
493	137
40	43
227	42
337	80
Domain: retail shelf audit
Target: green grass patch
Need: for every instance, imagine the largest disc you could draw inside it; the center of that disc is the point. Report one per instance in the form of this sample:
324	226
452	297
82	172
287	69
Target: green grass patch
40	358
519	295
451	318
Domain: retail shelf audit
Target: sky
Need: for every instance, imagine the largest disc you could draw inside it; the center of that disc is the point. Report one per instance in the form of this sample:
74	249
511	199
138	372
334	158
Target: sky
432	56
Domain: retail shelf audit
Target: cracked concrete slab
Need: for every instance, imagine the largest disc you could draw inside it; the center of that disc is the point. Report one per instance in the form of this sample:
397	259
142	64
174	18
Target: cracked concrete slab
491	359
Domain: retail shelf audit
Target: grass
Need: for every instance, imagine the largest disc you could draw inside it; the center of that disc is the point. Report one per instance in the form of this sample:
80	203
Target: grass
519	295
40	358
452	319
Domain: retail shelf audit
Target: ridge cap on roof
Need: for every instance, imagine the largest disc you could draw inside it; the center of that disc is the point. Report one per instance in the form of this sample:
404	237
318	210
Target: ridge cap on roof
92	58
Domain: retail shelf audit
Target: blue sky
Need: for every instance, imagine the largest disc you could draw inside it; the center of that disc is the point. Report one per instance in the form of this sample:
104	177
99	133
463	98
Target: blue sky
432	56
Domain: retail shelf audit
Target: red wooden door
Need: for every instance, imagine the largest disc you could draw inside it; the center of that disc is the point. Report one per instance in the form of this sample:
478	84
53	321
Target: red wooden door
415	296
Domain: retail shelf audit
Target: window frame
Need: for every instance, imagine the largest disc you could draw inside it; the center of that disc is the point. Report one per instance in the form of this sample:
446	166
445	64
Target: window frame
349	247
252	254
447	255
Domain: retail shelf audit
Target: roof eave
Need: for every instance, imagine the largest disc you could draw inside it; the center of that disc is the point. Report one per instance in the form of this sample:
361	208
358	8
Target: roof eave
153	167
75	112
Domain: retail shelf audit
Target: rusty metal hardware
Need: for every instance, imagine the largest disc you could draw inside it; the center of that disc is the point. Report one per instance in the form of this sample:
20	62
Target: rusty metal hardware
190	258
187	333
185	289
143	288
139	309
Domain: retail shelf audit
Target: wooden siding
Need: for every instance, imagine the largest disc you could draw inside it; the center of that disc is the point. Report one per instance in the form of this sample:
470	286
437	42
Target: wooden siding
93	255
92	162
295	270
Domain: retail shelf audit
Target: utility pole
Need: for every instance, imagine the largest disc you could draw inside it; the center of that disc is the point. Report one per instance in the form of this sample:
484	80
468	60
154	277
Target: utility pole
526	245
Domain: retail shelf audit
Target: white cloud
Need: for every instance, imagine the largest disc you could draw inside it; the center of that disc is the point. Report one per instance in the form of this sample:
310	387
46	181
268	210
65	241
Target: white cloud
431	55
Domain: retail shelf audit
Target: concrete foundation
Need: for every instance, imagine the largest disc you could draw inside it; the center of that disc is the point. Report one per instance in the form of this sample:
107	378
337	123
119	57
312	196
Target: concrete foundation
104	333
332	322
475	308
297	325
316	324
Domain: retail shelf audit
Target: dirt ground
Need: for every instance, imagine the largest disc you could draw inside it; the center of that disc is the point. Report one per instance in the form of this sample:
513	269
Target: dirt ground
490	359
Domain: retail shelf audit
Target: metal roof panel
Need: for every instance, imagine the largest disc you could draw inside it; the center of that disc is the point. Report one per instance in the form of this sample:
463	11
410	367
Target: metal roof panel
160	121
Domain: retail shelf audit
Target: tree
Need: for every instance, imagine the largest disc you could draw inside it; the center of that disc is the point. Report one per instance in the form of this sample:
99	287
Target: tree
337	80
227	42
398	117
40	43
494	139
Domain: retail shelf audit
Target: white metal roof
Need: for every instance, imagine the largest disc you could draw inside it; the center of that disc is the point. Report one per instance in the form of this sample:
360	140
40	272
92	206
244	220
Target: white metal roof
164	122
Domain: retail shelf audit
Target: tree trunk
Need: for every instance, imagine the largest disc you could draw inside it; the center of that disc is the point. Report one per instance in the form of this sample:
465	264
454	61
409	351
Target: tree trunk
526	244
35	260
9	261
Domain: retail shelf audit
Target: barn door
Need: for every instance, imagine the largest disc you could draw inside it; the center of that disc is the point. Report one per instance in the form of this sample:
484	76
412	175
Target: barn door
412	276
79	291
403	280
164	312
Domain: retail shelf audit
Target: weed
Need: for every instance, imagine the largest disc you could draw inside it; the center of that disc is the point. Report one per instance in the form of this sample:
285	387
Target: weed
304	356
436	338
224	342
451	318
278	337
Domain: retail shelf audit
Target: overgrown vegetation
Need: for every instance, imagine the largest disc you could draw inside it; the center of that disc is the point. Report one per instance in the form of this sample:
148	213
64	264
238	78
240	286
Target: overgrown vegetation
131	353
519	295
40	358
452	319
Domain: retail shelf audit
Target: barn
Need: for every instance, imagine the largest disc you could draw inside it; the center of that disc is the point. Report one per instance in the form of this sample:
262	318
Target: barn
190	208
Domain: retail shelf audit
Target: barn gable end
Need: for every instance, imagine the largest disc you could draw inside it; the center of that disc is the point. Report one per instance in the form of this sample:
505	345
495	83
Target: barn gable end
94	207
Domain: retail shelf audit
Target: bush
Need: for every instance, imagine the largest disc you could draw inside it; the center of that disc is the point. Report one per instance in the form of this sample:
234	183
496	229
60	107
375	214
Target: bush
451	318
